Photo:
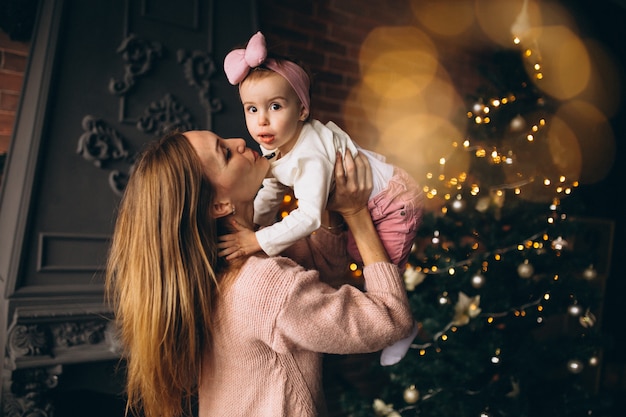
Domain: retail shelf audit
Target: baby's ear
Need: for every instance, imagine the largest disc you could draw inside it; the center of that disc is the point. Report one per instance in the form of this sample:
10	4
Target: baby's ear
304	114
221	209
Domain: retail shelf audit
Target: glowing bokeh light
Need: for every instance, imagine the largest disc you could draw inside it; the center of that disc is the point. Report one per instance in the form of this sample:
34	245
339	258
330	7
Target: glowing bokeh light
594	137
565	59
398	62
417	142
444	17
407	106
605	82
496	18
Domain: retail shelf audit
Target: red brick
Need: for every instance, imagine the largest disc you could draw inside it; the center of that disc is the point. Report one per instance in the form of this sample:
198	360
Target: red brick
349	35
9	101
11	81
5	140
343	65
6	122
20	48
336	92
329	46
309	25
14	62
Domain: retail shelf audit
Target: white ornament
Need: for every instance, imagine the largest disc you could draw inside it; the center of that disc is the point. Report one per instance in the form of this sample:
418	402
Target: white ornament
466	309
411	395
590	273
413	278
525	269
518	123
483	204
381	408
559	243
575	366
458	205
478	280
574	310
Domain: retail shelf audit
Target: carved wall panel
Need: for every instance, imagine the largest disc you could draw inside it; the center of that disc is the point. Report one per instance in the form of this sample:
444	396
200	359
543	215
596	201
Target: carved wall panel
104	78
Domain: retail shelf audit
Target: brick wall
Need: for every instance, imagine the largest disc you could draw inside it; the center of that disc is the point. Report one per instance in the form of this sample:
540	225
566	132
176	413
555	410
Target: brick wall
13	57
327	35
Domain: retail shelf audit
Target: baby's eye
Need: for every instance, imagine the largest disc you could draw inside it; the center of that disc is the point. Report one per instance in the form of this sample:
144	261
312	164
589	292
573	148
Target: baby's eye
275	106
251	109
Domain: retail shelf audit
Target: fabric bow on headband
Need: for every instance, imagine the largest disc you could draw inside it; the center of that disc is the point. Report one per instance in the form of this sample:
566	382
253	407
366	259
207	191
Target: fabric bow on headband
238	63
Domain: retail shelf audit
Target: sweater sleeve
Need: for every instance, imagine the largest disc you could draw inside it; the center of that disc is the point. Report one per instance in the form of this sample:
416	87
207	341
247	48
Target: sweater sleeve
319	318
268	201
323	251
312	178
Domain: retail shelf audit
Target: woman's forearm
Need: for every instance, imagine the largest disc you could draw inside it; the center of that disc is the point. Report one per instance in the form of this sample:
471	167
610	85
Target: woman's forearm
366	237
353	179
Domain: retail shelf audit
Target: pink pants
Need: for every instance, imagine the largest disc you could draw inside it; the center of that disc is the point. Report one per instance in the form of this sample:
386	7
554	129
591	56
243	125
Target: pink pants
397	213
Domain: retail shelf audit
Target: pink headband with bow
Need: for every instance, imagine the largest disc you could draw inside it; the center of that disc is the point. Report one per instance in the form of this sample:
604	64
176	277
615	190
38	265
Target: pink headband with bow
238	63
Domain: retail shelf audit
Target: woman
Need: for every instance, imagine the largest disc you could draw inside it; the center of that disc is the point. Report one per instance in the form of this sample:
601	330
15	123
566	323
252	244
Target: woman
245	337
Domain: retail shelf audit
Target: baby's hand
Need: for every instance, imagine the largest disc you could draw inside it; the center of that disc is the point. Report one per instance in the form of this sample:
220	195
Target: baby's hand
240	243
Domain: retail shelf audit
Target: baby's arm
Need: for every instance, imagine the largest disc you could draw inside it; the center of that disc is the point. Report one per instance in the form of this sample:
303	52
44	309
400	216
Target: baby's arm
268	201
311	185
242	241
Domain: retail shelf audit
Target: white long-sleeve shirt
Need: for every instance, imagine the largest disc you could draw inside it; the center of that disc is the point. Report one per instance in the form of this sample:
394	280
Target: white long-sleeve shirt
308	169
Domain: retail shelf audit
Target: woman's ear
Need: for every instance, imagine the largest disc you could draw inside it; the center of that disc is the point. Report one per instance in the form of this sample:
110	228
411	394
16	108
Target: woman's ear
221	209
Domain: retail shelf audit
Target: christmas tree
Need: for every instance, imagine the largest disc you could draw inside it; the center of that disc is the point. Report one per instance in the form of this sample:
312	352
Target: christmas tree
503	278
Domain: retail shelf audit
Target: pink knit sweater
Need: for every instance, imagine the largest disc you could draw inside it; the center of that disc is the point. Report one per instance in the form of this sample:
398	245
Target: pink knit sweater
277	318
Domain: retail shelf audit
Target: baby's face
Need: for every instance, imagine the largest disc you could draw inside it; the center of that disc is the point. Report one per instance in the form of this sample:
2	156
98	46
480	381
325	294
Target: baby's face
274	114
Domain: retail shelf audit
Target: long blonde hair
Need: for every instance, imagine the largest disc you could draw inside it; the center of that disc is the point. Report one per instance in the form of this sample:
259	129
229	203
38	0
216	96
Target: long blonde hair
162	277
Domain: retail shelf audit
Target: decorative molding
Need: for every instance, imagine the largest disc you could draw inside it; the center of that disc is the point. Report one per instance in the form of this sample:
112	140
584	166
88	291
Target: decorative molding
199	67
28	340
45	336
139	56
118	181
71	252
101	143
27	394
164	116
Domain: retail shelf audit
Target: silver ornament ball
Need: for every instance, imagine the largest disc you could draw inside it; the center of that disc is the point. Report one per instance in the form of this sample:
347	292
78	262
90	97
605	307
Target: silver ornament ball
478	280
575	366
411	395
525	270
590	273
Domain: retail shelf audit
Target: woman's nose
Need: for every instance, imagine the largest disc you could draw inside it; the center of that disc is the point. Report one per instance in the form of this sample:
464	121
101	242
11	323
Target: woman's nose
240	145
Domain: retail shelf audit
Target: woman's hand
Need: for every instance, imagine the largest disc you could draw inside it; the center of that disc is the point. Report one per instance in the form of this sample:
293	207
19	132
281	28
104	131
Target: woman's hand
353	184
353	178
